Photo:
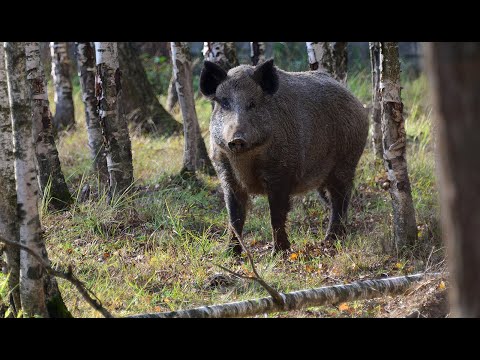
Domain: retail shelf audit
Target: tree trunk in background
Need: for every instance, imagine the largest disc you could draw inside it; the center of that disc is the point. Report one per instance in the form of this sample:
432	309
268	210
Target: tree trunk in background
64	112
222	53
454	77
192	136
86	72
330	57
48	163
141	106
320	57
8	195
394	149
172	96
340	59
112	119
257	52
376	98
32	292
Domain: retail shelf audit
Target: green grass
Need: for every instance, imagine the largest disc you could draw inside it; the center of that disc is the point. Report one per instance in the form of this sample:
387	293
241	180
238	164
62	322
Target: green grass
157	251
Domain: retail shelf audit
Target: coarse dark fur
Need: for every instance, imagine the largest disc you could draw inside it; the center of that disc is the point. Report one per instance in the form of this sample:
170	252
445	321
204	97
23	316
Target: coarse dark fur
282	133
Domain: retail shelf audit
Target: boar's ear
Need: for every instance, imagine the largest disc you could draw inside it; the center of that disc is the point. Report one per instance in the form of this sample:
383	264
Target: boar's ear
212	75
266	76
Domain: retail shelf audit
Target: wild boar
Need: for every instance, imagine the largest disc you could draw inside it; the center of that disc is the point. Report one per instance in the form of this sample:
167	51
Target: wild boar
280	134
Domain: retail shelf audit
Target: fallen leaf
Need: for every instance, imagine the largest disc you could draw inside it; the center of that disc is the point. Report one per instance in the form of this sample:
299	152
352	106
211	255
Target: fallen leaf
106	255
442	286
293	256
343	307
309	268
399	265
157	308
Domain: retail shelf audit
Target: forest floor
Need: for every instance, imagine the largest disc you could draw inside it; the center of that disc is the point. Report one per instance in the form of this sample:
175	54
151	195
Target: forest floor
157	250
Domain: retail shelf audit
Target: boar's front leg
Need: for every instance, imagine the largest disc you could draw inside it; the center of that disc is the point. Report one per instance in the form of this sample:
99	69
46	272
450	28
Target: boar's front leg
236	201
279	201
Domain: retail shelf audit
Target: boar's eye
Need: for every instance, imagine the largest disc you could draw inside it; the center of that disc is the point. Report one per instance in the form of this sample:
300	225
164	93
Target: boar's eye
251	105
225	104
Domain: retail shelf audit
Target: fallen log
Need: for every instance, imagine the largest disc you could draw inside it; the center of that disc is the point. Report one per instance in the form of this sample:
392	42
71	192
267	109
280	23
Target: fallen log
328	295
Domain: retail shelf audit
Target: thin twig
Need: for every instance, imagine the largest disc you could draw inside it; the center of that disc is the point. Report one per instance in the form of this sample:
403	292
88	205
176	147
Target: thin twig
68	275
276	296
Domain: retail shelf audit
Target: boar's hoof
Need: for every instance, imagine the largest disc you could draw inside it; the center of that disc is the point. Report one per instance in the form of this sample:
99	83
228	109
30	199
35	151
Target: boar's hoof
280	247
235	248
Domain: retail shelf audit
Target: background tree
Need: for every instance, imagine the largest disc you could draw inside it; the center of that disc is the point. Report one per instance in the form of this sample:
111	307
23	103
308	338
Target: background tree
85	52
222	53
454	75
64	117
48	163
172	96
141	106
39	292
8	195
376	96
183	77
112	119
330	57
394	149
257	52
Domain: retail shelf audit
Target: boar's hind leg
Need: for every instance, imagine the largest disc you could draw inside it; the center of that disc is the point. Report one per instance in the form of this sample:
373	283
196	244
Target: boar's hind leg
236	202
340	189
279	202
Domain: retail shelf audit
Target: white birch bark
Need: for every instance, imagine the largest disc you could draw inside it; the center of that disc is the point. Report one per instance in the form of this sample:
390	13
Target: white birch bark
183	78
112	119
31	272
319	56
48	163
394	142
86	72
257	52
8	194
64	112
222	53
328	295
376	97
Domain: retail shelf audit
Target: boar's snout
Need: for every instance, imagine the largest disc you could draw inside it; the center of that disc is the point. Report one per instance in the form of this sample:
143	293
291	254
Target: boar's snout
237	144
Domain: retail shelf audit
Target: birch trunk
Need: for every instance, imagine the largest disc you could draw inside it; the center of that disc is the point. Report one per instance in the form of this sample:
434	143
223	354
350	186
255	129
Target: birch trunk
340	61
172	96
454	78
376	98
361	290
320	57
64	118
32	292
48	163
85	52
114	126
257	52
394	149
222	53
8	195
141	106
183	78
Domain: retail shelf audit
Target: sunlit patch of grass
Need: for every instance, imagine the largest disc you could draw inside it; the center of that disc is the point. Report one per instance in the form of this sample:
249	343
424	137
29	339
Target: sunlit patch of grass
158	250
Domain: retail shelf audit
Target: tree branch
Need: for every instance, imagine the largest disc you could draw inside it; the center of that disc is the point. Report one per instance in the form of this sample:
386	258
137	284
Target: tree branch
276	296
360	290
68	275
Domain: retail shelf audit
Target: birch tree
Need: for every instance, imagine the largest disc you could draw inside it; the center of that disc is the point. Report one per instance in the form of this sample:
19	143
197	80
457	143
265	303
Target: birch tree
453	70
394	149
183	79
48	163
376	98
172	96
64	111
141	106
114	125
330	57
32	292
85	52
257	52
8	195
222	53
